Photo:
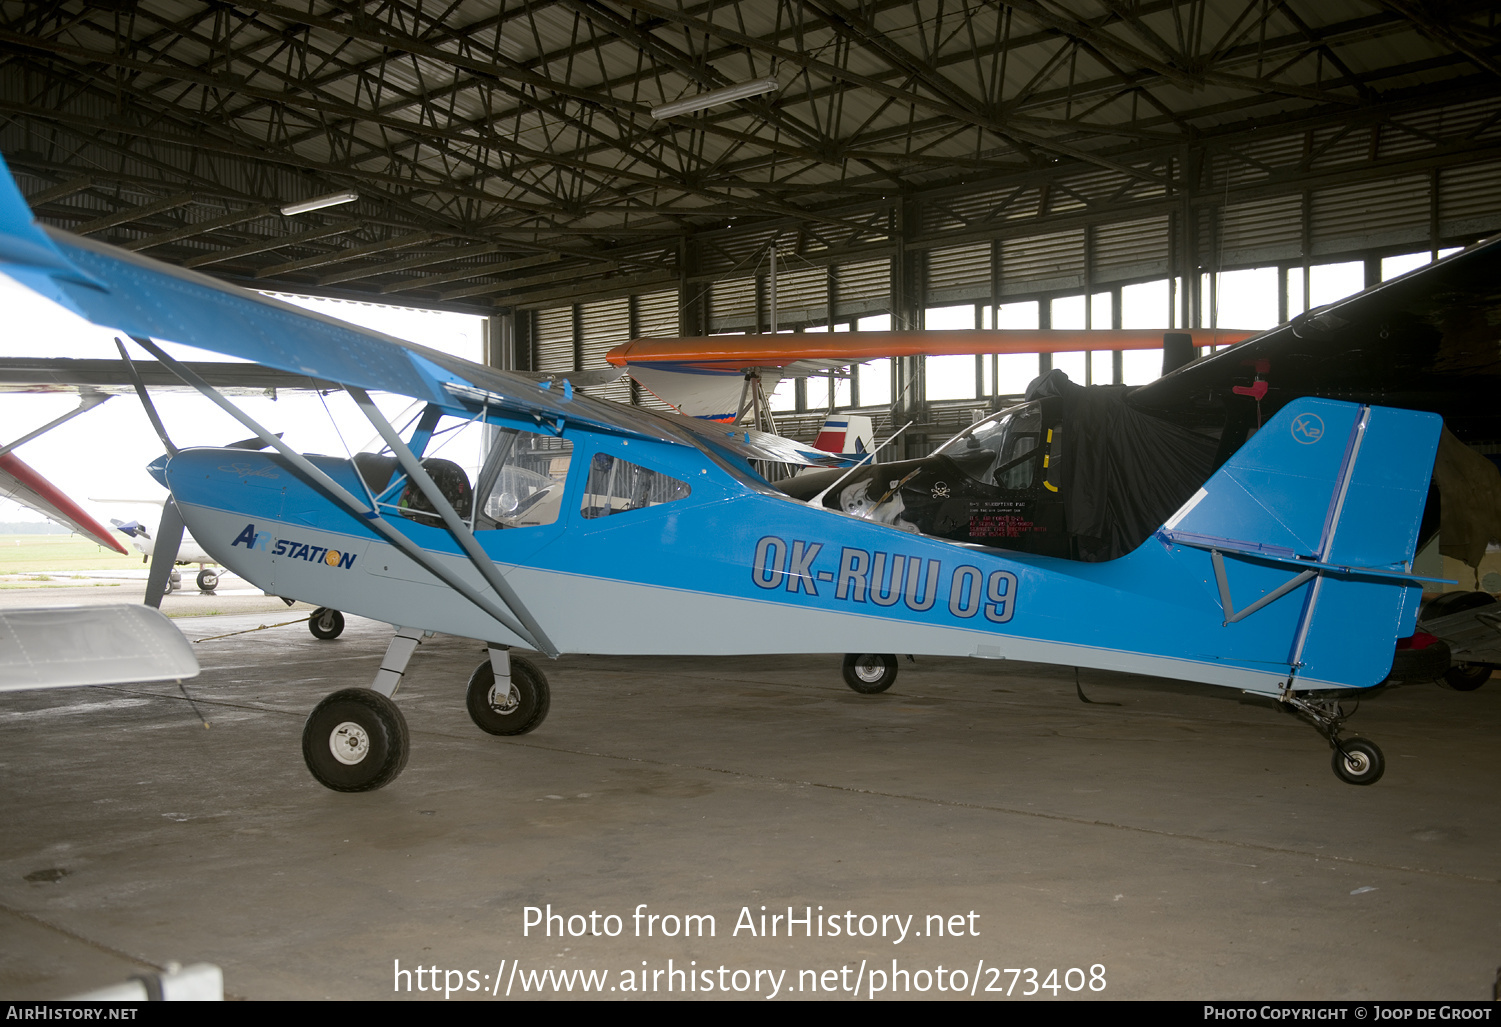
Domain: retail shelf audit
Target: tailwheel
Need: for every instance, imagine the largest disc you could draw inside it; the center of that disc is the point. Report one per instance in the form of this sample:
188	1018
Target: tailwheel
1358	761
325	623
355	740
869	673
523	706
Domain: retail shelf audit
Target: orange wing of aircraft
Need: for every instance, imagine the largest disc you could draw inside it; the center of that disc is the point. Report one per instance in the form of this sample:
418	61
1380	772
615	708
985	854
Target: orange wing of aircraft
704	377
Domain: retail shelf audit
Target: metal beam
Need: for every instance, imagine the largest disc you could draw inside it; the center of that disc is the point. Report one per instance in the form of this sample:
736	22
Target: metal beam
121	217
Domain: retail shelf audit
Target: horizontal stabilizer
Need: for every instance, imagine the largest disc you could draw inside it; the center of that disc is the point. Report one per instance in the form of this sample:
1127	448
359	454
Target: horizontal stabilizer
90	645
1308	533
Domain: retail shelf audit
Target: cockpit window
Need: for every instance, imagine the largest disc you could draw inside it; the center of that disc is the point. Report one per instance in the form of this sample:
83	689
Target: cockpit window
1000	450
616	486
523	479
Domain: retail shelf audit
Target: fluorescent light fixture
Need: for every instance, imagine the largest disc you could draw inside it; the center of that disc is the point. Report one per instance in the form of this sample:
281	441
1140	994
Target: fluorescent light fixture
714	98
318	203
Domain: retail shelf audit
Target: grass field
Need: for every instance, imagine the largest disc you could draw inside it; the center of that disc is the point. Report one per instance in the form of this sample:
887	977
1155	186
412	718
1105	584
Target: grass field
30	554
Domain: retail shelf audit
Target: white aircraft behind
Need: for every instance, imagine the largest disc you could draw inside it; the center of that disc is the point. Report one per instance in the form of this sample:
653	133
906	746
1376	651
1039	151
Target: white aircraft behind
190	552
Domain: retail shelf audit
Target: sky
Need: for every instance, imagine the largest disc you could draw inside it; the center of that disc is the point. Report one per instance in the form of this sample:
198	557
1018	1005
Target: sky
99	458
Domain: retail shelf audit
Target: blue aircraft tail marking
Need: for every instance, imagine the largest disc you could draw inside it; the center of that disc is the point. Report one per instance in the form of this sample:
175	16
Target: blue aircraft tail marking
1332	495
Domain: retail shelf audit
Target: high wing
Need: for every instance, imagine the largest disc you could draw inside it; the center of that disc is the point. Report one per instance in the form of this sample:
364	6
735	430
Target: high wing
53	374
1429	340
703	377
148	299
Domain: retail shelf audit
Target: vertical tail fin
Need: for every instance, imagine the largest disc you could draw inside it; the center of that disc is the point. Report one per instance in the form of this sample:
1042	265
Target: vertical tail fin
849	434
1316	518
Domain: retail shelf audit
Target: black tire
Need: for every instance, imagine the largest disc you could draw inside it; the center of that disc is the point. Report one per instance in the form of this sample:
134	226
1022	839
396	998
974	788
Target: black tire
208	580
1361	762
869	673
367	729
1427	664
325	623
1454	602
522	710
1466	677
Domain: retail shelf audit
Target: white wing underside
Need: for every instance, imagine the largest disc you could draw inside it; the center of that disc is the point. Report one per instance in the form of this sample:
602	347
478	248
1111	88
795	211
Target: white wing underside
90	645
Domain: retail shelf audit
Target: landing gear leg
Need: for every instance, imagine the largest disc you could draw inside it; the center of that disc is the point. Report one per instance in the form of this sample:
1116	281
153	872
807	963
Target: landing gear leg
1356	761
403	644
356	739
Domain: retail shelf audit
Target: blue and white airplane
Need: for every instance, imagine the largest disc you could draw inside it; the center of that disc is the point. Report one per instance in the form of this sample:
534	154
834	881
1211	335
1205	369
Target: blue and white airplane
592	527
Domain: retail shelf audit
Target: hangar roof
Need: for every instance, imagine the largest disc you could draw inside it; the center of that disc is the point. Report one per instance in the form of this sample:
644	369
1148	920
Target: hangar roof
505	152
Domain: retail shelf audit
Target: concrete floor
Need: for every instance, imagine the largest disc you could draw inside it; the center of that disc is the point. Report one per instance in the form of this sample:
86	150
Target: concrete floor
1191	842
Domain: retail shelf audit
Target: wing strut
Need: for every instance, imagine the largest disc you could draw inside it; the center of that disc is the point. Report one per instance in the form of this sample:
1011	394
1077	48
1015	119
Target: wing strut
140	387
88	399
359	507
417	474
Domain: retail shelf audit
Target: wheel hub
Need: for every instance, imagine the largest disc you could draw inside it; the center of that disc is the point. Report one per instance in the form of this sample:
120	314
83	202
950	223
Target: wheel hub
869	669
509	705
1357	762
349	742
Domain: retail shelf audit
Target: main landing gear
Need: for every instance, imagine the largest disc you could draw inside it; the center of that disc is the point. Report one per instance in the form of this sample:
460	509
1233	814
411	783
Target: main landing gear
325	623
869	673
356	740
507	695
1356	761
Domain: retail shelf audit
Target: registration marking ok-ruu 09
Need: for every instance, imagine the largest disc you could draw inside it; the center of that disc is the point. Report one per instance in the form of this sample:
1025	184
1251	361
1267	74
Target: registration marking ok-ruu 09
885	579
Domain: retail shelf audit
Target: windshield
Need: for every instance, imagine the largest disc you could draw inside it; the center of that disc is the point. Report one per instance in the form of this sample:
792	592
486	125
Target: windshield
523	479
997	450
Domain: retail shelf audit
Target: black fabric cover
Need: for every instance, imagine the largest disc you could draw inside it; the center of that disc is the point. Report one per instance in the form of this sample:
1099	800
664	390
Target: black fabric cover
1124	472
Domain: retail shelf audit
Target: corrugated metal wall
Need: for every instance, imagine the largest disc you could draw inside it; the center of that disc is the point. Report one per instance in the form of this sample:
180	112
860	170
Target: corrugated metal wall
958	273
657	315
1261	232
1042	263
603	326
1131	249
1468	198
554	339
732	305
802	295
864	288
1386	212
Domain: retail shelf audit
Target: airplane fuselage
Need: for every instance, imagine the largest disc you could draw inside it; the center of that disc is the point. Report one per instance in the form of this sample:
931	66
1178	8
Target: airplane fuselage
729	569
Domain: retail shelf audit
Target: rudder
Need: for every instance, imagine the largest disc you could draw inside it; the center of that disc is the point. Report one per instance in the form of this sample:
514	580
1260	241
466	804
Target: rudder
1319	509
